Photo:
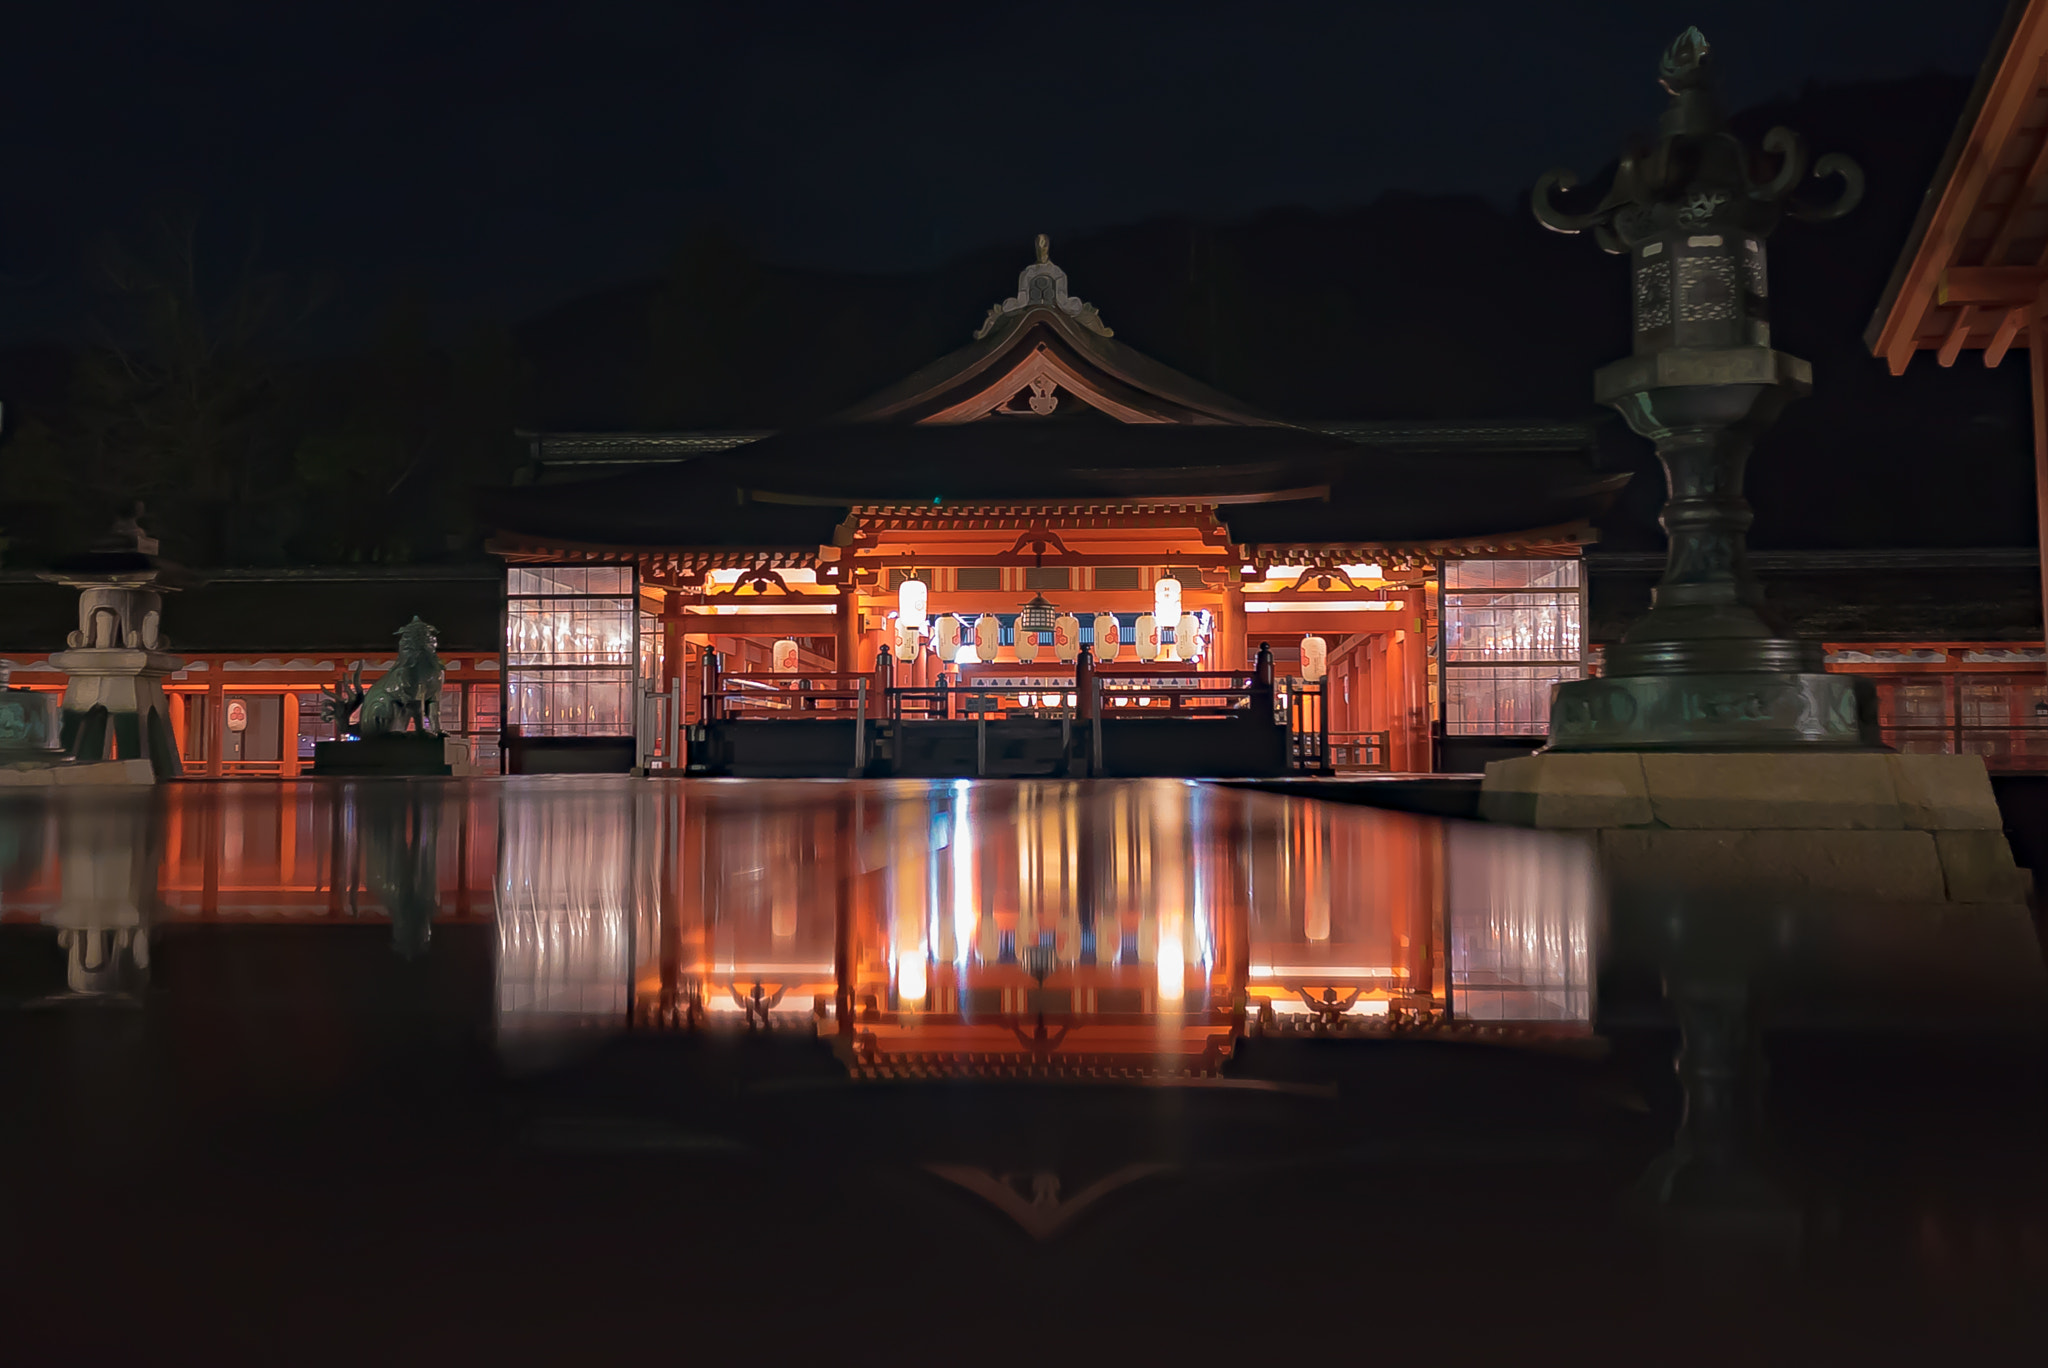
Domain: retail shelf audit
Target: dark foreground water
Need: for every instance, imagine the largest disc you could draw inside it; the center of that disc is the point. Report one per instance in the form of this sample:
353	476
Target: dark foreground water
555	1071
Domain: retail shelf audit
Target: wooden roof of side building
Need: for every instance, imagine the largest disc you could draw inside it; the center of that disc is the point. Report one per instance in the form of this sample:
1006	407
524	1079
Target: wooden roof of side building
1977	257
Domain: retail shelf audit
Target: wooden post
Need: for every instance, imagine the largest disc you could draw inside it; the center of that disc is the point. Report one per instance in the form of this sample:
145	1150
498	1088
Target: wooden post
1230	628
288	740
707	711
884	670
846	640
2037	369
216	728
672	646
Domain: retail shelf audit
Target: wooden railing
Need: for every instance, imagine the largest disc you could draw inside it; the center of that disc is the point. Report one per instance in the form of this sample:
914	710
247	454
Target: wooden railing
1084	694
1359	751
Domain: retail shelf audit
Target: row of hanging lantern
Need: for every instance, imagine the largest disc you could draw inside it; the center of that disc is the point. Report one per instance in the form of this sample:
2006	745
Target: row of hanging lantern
948	634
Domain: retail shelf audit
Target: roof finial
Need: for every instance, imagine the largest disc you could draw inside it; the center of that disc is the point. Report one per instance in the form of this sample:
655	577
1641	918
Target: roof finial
1043	285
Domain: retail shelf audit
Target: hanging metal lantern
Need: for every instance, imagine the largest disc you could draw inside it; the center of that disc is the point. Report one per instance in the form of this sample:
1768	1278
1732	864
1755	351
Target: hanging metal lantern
1066	637
1315	658
785	656
946	633
1147	637
1105	636
910	601
1187	637
906	641
1038	616
988	637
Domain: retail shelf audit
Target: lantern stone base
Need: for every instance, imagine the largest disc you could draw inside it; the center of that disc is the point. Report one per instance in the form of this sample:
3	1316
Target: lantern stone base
114	706
1690	712
1865	827
62	773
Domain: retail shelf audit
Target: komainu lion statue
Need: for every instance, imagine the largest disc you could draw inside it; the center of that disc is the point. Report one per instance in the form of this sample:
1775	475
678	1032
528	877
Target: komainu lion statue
410	693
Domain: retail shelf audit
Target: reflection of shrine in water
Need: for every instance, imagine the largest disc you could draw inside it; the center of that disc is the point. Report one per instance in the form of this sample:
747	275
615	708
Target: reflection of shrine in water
1092	928
932	928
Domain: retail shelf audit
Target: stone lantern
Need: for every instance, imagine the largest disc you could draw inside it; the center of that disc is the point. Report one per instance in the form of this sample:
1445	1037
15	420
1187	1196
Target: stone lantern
1706	667
114	704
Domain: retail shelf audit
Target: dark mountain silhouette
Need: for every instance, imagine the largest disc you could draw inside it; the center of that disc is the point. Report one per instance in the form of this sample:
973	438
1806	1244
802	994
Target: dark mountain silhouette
1412	307
1420	307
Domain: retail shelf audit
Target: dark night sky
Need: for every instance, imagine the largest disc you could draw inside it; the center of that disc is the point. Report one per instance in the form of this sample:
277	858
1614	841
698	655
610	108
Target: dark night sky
504	159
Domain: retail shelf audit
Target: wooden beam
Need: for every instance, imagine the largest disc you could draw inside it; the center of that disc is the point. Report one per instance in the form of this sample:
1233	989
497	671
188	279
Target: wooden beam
1999	287
2023	200
1053	560
2037	367
2011	94
2008	328
1952	345
762	624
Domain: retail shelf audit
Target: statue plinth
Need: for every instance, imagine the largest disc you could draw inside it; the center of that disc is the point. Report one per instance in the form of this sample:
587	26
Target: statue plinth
394	754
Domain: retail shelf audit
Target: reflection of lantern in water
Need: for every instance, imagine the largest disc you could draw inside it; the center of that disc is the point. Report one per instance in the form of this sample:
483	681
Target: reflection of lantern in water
1187	638
1173	969
1066	636
910	601
785	656
946	637
906	641
910	977
1105	636
1314	658
988	636
1148	637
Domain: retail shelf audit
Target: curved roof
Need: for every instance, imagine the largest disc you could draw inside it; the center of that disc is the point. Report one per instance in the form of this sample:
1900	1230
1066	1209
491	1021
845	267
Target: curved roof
1044	407
968	384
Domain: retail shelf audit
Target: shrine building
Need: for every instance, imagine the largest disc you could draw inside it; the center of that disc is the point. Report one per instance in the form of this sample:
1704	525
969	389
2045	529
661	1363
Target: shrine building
1042	496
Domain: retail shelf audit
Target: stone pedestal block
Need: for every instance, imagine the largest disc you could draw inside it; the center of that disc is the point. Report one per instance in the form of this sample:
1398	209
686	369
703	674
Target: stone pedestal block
1759	791
1586	790
125	688
1855	827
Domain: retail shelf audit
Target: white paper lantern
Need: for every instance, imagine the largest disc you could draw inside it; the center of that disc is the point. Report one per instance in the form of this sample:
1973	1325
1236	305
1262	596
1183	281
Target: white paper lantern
1187	637
1166	602
1105	636
946	637
1315	656
910	599
785	656
1148	637
906	641
1066	637
988	636
1027	645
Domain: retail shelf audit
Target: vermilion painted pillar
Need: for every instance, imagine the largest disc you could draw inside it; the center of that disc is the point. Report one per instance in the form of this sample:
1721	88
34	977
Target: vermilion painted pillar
1231	652
216	729
672	644
288	739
